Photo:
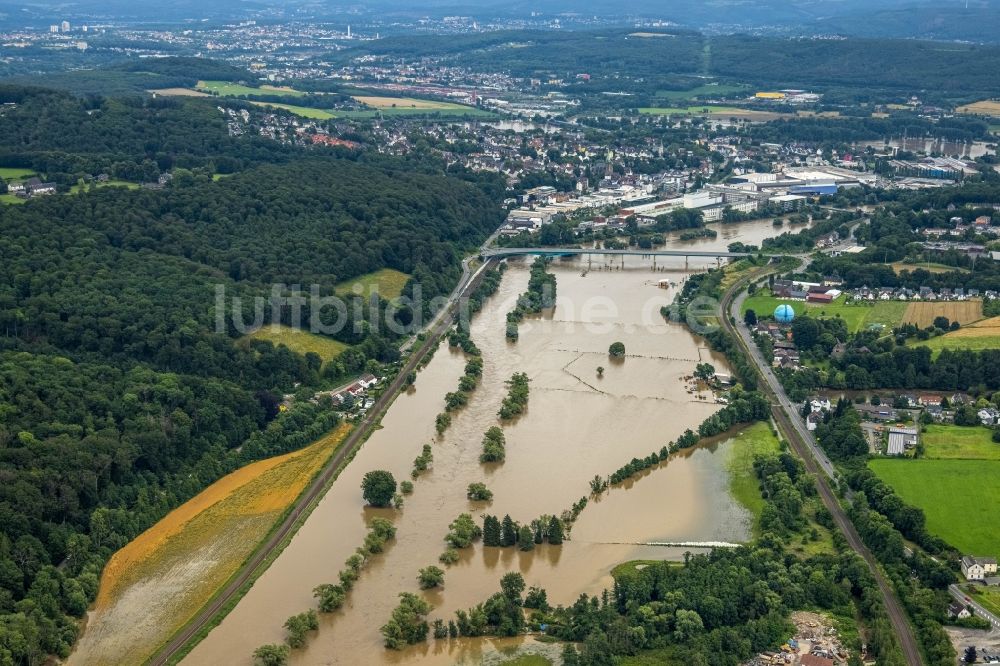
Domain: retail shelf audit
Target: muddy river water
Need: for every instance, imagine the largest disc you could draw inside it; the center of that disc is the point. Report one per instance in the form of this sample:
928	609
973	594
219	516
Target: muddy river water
577	425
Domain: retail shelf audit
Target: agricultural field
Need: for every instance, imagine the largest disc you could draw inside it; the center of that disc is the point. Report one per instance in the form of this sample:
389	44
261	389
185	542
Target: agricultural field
923	313
948	442
754	440
16	173
930	267
707	90
178	92
941	488
387	282
227	89
299	341
980	335
857	317
379	102
85	187
988	597
986	107
155	584
302	111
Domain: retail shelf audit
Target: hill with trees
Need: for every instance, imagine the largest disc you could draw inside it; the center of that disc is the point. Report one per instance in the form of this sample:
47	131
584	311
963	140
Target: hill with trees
119	396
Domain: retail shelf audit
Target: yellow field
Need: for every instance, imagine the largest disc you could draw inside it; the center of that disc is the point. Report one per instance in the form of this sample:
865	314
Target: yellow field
406	102
986	107
922	314
156	583
387	282
987	328
299	341
991	323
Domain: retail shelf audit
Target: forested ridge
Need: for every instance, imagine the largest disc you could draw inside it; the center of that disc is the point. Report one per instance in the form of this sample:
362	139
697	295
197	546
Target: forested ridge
119	399
68	137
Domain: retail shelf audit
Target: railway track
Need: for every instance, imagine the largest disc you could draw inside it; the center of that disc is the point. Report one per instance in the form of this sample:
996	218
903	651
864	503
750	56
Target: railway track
817	464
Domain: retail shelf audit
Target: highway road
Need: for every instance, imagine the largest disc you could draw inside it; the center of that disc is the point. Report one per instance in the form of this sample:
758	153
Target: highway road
967	600
436	329
817	464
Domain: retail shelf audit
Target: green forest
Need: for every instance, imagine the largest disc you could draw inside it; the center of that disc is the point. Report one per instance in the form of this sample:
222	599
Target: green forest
119	398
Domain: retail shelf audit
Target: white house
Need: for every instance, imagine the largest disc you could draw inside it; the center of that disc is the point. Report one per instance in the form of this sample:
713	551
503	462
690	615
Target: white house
978	568
819	404
368	380
988	416
957	610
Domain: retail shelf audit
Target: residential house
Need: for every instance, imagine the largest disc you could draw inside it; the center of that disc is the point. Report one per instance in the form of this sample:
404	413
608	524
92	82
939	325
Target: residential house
978	568
935	412
820	404
813	420
368	380
988	416
958	610
781	288
929	400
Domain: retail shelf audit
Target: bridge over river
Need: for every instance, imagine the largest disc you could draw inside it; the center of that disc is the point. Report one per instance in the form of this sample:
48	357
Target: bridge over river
638	252
503	252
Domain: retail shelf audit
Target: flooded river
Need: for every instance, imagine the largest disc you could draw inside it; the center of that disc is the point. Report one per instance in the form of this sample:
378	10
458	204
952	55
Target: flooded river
577	425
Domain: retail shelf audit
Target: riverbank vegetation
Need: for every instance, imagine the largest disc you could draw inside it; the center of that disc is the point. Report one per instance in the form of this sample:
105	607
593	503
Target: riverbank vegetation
505	533
378	487
329	596
743	407
408	624
478	492
516	400
468	382
493	446
750	442
423	461
540	294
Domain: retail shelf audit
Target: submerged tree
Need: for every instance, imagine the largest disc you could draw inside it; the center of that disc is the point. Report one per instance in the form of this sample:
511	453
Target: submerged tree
378	487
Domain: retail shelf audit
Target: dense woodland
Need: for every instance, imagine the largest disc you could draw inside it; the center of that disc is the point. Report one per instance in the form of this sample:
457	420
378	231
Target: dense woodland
119	397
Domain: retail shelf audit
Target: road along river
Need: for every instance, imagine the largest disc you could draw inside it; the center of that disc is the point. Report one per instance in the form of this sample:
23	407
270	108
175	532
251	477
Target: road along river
577	425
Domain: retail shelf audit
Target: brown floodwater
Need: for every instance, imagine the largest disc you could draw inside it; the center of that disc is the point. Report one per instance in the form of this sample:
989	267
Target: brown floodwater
577	425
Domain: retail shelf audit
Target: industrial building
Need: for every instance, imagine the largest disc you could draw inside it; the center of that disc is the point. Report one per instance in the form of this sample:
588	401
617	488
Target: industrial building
900	439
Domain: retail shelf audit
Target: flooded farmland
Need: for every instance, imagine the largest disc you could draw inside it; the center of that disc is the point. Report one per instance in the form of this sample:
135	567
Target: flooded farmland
577	425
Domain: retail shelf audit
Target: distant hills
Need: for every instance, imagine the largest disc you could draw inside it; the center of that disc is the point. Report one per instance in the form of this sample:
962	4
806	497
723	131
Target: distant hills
975	20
